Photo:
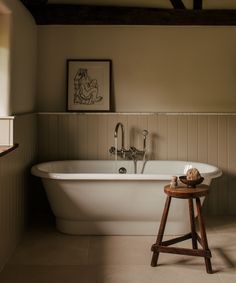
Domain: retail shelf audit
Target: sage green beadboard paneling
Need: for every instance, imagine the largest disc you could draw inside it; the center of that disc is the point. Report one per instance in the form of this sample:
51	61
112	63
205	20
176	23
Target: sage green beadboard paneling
209	138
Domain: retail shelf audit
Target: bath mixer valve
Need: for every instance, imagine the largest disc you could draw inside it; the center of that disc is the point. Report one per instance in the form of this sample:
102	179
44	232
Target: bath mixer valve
131	153
121	152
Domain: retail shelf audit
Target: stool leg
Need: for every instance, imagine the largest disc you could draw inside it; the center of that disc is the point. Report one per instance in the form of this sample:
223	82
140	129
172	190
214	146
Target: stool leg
161	231
192	223
203	235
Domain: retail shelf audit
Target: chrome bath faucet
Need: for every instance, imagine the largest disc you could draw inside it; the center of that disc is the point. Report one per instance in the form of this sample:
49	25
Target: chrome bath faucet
131	153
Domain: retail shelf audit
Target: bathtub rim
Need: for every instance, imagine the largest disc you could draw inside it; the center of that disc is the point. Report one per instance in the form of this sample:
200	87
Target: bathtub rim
38	172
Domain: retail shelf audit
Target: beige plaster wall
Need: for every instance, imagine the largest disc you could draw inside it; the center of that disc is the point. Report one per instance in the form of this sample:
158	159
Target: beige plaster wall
155	68
23	55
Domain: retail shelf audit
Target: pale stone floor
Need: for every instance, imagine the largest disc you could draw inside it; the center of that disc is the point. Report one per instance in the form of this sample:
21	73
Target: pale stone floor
47	256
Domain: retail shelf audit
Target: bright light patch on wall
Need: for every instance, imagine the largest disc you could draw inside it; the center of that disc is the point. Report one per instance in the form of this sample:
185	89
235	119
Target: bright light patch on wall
4	101
4	64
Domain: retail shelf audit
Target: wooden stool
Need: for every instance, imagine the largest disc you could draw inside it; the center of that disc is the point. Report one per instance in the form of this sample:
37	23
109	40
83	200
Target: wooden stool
160	246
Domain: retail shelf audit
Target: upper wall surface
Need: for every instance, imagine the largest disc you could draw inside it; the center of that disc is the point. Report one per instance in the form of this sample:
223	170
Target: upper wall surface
23	58
155	68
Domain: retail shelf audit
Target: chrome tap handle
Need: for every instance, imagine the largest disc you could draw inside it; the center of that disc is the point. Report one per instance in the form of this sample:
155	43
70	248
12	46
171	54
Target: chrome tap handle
133	151
145	133
112	150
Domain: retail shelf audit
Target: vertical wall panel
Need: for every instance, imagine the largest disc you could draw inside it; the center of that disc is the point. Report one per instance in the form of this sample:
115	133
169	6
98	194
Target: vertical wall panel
72	137
205	138
232	162
92	137
223	164
152	139
182	137
64	136
212	154
162	149
42	137
14	179
133	130
192	136
212	139
82	136
103	146
202	138
53	135
172	137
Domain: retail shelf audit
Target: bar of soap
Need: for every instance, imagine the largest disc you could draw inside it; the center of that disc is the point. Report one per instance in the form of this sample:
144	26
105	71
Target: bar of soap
193	174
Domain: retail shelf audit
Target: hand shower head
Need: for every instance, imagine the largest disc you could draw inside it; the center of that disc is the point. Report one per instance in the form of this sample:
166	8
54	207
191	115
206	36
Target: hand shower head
145	133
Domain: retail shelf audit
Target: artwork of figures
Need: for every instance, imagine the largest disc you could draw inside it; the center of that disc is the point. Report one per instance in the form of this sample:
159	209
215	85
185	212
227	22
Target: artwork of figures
88	85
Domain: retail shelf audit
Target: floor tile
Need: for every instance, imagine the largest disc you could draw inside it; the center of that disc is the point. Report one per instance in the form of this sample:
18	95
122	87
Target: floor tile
223	247
47	256
121	250
161	274
48	274
221	224
184	273
50	247
227	277
123	274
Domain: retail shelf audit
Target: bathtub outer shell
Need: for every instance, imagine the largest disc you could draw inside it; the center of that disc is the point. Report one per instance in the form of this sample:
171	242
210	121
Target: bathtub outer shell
90	197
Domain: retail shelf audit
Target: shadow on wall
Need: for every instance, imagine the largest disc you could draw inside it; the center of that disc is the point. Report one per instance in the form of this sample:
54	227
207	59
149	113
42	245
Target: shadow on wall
221	200
40	211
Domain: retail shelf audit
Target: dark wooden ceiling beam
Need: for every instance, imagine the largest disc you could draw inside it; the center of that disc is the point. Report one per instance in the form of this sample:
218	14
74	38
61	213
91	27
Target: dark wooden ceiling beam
177	4
59	14
34	2
197	4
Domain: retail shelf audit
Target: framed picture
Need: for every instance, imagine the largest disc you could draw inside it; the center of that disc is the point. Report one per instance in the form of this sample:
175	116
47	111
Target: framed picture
88	85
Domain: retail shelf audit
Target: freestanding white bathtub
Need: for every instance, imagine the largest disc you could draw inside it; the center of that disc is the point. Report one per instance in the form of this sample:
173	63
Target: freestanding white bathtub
91	197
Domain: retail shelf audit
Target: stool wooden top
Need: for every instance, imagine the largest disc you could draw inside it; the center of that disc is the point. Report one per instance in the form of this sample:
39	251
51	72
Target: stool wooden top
187	193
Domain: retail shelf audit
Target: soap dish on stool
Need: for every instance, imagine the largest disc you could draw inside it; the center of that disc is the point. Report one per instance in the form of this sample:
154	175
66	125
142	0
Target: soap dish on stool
191	183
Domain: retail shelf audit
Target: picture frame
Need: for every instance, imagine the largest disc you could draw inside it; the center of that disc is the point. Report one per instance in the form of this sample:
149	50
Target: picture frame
88	85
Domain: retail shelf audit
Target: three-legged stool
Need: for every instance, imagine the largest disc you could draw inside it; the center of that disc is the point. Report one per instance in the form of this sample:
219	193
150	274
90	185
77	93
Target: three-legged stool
163	246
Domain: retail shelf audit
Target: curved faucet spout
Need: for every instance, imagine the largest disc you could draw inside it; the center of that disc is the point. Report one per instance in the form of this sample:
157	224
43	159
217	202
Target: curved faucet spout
119	124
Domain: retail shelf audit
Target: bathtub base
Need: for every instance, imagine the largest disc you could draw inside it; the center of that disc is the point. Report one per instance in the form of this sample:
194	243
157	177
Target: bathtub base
120	227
